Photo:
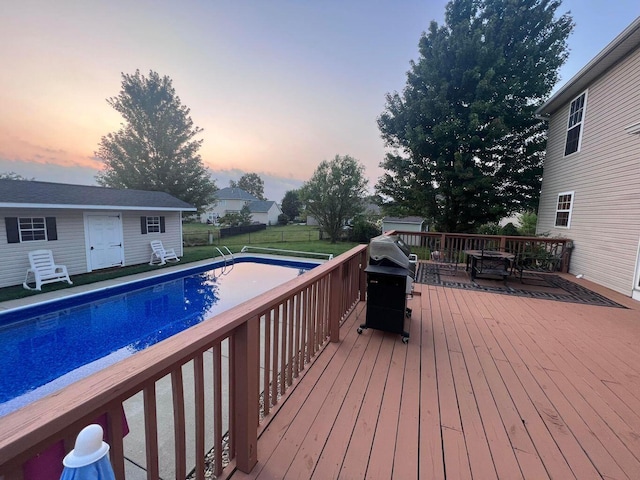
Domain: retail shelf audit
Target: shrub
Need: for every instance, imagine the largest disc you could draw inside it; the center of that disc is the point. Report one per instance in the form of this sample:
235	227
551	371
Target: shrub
528	222
363	231
490	229
283	219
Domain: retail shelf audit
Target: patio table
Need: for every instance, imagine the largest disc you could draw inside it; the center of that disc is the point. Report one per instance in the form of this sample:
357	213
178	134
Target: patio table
488	262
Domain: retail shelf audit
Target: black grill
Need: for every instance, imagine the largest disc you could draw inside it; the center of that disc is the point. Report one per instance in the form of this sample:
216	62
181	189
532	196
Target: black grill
390	276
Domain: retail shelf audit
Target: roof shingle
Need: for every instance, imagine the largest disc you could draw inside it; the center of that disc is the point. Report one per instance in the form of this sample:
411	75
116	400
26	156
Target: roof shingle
29	193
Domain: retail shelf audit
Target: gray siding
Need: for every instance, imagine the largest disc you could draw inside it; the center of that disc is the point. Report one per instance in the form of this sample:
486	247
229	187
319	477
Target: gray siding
70	250
605	178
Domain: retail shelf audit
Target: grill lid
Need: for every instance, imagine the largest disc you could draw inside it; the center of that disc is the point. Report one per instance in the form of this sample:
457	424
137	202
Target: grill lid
390	250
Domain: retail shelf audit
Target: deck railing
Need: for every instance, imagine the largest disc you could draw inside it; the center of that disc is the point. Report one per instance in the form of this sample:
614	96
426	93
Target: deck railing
423	243
221	377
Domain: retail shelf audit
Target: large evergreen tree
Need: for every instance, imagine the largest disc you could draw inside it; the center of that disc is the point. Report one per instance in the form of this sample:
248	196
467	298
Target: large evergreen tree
334	193
156	147
466	146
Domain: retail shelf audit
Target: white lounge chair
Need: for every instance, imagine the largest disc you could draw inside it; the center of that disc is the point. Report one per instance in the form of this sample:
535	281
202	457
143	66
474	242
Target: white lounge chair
44	270
160	256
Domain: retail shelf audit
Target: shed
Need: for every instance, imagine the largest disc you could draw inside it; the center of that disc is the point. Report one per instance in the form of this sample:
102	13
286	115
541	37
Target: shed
87	227
405	224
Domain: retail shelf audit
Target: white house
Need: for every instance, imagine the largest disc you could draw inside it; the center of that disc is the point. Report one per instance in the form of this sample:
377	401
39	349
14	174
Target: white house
231	200
87	228
228	200
591	180
265	211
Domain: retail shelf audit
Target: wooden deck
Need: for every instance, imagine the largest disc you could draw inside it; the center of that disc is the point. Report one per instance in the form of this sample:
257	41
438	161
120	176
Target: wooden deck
489	386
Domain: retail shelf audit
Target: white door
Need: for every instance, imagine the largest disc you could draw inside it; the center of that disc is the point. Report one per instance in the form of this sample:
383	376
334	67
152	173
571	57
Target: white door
104	237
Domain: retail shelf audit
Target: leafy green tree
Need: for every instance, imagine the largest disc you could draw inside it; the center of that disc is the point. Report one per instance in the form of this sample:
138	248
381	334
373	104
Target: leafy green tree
466	148
230	219
334	193
291	204
363	230
490	228
283	219
245	216
156	147
236	219
252	183
528	222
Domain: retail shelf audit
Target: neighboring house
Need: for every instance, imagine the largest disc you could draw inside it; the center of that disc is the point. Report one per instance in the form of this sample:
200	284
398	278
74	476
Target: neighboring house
87	228
265	211
405	224
591	179
228	200
231	200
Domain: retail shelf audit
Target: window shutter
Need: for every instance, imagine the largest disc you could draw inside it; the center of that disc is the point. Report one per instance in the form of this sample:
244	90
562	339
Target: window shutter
52	231
161	224
143	225
11	223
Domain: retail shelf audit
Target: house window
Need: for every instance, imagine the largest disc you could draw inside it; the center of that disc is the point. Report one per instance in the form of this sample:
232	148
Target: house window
32	229
563	210
574	125
155	224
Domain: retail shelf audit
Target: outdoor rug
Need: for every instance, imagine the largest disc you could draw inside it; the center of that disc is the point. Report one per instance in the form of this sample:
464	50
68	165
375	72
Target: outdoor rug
535	285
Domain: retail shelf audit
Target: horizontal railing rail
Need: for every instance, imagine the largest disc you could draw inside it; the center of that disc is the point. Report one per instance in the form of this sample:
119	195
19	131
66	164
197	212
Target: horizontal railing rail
211	384
454	244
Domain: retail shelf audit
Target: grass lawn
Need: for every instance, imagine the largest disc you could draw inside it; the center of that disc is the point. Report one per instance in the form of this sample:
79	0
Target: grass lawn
290	237
200	233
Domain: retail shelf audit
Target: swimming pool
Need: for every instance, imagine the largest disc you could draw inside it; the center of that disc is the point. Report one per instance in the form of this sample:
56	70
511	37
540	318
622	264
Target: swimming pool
48	346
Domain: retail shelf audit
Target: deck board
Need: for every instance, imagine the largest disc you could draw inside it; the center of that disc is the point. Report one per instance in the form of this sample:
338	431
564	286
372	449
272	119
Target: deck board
489	386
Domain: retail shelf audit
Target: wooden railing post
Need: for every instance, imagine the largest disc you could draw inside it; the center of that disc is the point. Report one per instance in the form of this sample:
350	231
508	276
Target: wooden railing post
362	284
246	367
335	304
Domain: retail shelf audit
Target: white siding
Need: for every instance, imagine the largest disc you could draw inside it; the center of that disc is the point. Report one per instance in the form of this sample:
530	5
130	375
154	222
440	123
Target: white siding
70	250
605	176
402	227
137	247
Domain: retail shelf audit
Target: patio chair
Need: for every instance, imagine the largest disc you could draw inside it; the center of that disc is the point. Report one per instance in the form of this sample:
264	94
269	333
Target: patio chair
160	256
530	262
44	270
445	260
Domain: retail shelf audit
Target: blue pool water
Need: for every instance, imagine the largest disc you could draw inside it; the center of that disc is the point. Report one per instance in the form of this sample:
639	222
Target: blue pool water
48	346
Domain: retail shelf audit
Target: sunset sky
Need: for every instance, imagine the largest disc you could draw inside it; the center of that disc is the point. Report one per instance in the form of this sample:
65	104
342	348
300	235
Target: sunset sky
277	86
